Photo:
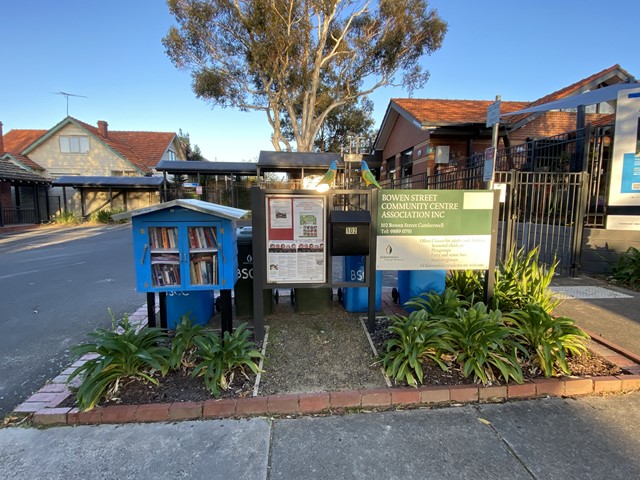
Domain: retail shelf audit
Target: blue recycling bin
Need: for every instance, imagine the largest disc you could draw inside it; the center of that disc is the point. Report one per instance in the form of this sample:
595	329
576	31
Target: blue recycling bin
411	283
198	303
356	299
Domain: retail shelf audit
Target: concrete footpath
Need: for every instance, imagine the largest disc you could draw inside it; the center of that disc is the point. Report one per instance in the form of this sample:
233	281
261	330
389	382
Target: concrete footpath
553	438
607	312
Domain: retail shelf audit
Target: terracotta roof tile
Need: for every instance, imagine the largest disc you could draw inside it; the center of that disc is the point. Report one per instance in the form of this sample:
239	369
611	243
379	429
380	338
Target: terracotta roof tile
16	141
442	112
147	146
10	171
574	87
143	149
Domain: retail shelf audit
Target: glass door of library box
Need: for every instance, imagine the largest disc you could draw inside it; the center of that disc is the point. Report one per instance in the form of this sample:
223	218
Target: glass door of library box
183	256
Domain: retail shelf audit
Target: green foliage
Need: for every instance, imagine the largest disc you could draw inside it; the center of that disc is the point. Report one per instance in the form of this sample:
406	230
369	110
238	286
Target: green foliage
627	270
299	60
67	218
416	339
467	283
105	216
521	280
445	304
483	343
549	338
122	352
183	344
217	359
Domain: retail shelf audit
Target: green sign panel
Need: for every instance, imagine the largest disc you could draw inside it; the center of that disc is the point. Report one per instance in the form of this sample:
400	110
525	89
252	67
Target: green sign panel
434	229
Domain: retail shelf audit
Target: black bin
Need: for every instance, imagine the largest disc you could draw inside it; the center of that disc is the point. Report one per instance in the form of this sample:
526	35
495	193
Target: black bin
243	290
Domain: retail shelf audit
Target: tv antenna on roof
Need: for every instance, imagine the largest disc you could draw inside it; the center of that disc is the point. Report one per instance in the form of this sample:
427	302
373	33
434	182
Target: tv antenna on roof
67	95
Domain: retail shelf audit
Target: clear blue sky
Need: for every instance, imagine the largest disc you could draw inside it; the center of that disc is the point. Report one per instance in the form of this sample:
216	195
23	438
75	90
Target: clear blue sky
111	52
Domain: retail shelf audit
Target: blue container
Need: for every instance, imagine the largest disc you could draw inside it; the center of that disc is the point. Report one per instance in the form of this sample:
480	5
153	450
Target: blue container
198	303
356	299
411	283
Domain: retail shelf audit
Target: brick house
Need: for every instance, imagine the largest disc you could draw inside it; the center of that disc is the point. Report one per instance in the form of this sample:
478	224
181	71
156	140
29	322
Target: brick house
418	135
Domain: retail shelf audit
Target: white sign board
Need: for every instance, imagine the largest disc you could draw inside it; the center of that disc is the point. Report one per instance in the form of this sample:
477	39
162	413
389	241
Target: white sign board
493	114
489	158
624	186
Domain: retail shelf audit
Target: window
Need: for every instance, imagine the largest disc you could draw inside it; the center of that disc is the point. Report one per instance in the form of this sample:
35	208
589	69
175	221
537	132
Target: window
74	144
172	155
122	173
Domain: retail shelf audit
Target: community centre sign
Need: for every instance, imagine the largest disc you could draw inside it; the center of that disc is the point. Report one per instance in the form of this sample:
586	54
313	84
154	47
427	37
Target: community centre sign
434	229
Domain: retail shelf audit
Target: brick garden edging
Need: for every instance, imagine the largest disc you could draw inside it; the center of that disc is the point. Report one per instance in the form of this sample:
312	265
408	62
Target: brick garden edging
335	402
44	408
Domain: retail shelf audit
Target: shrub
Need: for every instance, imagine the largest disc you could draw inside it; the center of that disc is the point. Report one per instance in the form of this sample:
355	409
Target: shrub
183	344
482	343
549	338
467	283
521	280
66	218
445	304
415	340
627	270
217	359
122	352
105	216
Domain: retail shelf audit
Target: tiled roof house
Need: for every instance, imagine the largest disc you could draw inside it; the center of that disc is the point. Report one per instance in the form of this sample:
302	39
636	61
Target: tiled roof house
415	131
73	148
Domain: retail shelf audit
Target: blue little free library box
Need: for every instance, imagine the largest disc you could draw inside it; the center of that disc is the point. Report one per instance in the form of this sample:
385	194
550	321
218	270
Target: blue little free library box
185	245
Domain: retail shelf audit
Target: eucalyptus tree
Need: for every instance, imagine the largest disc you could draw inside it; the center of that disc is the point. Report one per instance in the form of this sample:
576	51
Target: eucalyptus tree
300	60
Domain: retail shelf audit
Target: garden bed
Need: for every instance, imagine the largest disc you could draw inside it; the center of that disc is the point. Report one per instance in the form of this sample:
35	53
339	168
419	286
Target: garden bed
317	352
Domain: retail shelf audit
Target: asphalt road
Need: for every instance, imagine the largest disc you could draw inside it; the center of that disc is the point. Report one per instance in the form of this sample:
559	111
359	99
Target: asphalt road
57	285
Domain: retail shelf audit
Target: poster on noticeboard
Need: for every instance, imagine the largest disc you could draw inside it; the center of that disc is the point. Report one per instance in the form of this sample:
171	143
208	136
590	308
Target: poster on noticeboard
296	242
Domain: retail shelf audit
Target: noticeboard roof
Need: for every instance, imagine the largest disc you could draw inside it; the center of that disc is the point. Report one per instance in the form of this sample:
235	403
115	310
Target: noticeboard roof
105	181
213	168
223	211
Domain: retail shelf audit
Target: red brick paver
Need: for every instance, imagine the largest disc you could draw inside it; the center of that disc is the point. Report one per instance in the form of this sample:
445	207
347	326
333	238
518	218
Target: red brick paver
225	407
346	399
314	402
378	397
282	404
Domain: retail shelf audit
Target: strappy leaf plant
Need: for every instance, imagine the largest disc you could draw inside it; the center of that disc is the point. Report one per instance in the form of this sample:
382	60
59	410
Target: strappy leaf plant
217	359
548	339
444	304
483	344
416	339
122	352
468	284
183	343
521	280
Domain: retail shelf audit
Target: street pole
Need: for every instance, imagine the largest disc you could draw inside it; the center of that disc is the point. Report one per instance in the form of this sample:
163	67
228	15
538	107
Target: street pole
494	144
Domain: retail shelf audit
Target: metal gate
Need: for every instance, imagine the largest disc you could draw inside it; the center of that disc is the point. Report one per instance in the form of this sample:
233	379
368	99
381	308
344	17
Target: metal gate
544	210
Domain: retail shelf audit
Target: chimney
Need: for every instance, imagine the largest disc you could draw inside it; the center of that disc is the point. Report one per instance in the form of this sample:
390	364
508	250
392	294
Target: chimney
102	128
1	140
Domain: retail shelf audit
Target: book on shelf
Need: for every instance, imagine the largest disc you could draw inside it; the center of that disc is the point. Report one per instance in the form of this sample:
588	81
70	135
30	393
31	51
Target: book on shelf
165	274
163	237
202	237
203	269
172	258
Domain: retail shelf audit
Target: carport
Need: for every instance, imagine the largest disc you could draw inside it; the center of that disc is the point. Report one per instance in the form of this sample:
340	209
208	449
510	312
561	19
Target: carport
115	188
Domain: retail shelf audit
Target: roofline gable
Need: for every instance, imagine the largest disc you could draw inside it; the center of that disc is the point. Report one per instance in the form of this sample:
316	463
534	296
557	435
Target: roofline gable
9	156
388	121
72	121
576	88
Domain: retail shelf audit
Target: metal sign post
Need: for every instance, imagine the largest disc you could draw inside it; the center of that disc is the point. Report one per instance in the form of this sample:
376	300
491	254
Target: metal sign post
493	120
